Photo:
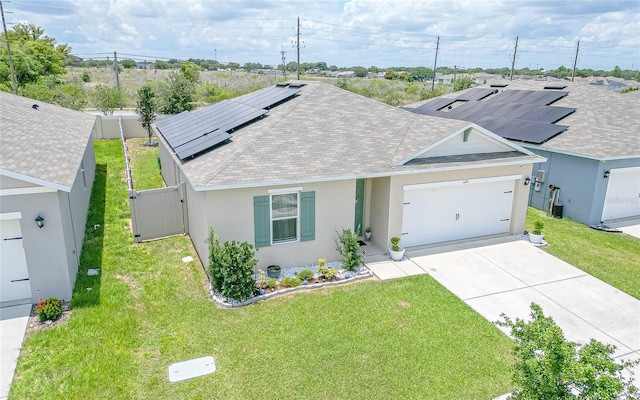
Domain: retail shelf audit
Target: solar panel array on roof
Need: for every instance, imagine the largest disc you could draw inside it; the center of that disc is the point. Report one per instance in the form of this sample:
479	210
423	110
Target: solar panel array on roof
268	97
476	94
191	133
523	115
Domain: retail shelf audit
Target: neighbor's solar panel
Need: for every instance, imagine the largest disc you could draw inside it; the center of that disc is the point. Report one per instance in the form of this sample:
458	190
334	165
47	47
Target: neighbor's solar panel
524	131
267	97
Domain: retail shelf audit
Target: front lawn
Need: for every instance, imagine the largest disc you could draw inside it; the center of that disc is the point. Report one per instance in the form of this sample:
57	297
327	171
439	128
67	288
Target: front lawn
406	338
611	257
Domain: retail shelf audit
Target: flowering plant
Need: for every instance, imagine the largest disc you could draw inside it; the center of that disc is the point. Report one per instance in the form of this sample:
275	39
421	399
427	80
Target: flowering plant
49	309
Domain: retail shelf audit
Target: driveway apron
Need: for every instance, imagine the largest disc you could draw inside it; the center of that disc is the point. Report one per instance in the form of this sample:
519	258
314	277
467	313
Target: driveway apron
13	324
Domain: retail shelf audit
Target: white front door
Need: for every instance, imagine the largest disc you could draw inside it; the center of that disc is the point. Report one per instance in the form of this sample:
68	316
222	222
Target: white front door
623	194
14	276
446	211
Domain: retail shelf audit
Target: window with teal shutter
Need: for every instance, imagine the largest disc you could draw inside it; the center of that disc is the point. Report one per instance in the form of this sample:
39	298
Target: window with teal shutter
262	221
277	215
307	216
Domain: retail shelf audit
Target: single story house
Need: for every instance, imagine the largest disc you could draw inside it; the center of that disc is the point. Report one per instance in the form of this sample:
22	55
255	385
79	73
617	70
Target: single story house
47	168
588	136
303	160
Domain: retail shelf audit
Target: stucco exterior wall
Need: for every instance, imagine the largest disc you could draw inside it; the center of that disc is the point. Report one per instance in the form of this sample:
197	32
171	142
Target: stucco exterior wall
581	182
379	210
45	249
230	213
396	194
11	183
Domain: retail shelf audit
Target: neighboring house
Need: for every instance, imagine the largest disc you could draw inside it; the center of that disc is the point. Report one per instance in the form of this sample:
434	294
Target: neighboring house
593	147
306	160
47	168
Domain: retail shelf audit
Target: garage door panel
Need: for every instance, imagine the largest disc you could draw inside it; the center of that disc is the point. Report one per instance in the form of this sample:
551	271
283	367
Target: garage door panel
14	276
443	213
622	199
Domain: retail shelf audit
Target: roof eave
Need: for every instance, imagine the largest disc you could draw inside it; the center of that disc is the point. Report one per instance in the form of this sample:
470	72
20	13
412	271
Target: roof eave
533	160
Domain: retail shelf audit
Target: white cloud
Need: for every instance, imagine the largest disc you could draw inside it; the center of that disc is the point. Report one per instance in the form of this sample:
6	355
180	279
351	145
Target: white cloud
348	33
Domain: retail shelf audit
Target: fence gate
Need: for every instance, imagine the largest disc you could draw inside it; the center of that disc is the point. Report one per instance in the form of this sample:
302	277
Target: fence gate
157	213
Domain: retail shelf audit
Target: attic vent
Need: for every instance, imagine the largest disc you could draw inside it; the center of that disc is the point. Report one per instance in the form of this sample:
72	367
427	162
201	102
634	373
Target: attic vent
555	87
35	106
499	85
296	85
282	84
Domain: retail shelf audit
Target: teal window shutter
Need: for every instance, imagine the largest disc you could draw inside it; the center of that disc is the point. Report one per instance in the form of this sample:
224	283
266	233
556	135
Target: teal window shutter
307	216
261	221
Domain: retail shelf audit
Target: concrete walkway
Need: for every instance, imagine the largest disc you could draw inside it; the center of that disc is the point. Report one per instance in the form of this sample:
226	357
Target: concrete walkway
505	275
630	226
13	324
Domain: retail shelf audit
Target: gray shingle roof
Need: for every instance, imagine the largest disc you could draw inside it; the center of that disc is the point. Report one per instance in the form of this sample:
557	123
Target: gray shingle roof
604	125
325	133
46	144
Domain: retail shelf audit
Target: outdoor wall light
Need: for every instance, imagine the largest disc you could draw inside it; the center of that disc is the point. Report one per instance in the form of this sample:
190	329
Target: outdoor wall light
527	181
39	221
606	174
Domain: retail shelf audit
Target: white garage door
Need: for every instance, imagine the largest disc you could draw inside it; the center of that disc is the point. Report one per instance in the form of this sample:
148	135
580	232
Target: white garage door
444	211
14	277
623	194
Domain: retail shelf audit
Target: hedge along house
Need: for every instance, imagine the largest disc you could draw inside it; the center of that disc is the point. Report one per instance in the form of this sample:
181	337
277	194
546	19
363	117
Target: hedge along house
47	168
287	167
588	135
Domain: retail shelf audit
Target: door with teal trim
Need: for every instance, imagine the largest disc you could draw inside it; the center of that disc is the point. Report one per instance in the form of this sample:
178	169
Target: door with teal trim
357	224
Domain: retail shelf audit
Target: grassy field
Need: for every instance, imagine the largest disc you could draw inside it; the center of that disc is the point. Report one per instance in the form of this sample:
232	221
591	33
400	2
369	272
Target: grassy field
232	84
407	338
612	257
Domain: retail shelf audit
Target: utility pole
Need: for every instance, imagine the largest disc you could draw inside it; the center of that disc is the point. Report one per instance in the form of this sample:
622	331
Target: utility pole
298	47
575	62
215	55
435	62
455	70
14	82
513	61
115	66
284	66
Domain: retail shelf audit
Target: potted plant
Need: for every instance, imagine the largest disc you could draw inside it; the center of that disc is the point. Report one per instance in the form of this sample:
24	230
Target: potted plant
395	251
536	235
367	234
273	271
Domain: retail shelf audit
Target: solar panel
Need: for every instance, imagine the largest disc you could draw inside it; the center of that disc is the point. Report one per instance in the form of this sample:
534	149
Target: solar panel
436	104
524	131
268	97
476	94
190	133
200	144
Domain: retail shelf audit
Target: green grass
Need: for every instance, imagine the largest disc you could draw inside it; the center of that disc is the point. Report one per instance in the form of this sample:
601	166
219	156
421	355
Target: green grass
407	338
611	257
146	174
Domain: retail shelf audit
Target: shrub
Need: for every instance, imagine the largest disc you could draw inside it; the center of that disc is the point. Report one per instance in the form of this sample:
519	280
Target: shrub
347	245
49	309
537	227
86	77
328	273
271	283
291	281
231	267
547	366
305	274
395	243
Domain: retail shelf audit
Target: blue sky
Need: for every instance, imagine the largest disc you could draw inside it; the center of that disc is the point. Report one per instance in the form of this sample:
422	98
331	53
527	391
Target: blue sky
382	33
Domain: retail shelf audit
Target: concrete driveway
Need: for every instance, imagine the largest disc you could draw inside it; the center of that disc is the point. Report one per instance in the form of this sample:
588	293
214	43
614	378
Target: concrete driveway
13	324
505	275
